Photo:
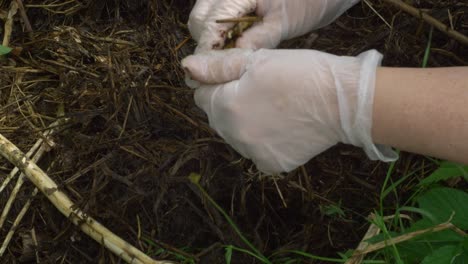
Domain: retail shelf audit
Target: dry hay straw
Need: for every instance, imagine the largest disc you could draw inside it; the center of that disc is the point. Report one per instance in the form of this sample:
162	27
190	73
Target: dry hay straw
61	201
75	58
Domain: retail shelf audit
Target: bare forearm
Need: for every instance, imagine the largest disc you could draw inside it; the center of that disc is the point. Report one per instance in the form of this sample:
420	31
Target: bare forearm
423	111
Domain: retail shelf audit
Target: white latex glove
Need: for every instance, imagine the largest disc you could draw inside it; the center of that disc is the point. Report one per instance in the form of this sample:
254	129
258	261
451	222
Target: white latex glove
282	19
281	108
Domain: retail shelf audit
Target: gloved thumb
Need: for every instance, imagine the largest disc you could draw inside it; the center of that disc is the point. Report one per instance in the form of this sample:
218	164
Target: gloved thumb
217	66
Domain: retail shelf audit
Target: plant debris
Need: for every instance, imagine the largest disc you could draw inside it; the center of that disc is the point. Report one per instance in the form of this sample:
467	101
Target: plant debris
240	26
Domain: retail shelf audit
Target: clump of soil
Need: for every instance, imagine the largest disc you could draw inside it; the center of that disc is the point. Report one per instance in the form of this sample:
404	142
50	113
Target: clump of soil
113	68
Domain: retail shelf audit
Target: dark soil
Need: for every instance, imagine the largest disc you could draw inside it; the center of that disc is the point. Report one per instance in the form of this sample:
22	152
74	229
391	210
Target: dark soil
113	67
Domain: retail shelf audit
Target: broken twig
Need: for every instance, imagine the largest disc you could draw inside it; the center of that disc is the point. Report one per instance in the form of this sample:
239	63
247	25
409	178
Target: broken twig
430	20
24	16
9	23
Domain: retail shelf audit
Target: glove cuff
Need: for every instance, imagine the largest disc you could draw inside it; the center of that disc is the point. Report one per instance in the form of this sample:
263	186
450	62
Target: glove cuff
356	108
370	60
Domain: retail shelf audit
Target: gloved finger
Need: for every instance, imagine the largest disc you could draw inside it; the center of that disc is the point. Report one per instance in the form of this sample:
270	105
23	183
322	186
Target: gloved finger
213	34
262	35
217	67
212	38
203	97
198	16
214	101
265	164
191	82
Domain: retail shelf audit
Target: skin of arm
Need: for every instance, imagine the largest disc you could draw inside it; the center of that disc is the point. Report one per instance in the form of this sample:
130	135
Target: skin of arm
423	111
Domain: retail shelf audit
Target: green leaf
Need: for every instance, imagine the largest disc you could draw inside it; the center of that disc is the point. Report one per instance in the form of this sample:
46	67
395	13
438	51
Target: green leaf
443	255
462	258
446	171
333	210
415	250
443	202
465	244
4	50
438	205
159	251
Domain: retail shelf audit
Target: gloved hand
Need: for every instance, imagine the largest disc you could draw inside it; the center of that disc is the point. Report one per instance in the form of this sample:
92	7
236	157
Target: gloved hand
281	20
281	108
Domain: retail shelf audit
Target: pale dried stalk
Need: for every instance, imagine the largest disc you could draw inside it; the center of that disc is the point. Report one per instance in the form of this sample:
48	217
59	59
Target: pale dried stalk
59	8
239	25
373	230
406	237
16	189
16	170
60	200
366	248
43	147
17	221
251	19
9	23
358	258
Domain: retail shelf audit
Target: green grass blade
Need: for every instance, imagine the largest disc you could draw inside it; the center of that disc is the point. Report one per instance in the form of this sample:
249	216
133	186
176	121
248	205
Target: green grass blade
310	256
427	52
384	186
195	178
418	211
248	252
395	184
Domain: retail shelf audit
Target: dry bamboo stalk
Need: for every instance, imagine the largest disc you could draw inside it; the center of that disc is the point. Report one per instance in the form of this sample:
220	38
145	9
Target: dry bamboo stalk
16	170
430	20
16	189
9	23
60	200
17	221
44	146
